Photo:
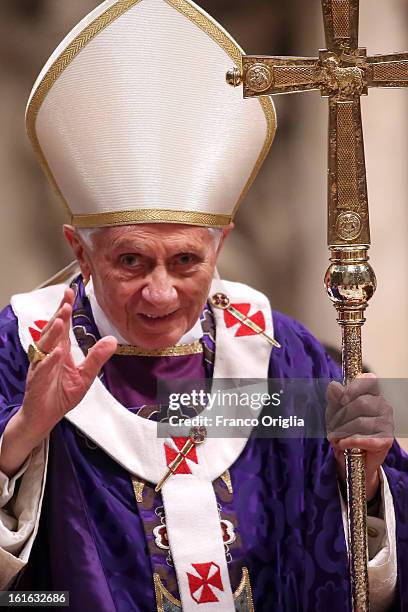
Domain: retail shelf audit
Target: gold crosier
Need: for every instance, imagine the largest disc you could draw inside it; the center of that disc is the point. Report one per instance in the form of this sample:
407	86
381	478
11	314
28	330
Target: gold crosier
343	72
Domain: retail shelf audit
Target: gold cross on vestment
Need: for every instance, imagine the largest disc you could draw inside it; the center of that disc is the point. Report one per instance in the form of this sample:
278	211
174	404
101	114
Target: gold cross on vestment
343	73
196	436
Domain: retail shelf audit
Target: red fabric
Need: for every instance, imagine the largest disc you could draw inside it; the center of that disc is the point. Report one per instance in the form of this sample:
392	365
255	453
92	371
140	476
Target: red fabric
35	333
204	581
229	318
40	324
207	595
257	318
171	454
228	531
243	330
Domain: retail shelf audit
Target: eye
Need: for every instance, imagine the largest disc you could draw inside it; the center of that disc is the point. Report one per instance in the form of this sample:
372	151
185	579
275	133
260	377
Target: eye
185	259
130	260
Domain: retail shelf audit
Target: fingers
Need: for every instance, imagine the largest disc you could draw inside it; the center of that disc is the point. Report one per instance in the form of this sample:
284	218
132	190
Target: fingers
42	370
335	391
378	427
371	445
358	416
97	356
56	332
366	406
364	384
348	407
68	298
366	416
334	395
57	329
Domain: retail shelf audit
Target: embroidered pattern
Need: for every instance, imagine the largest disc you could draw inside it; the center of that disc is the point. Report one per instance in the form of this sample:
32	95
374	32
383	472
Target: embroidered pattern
85	339
162	413
207	575
238	314
172	453
228	532
149	504
243	330
208	326
138	486
36	333
160	535
243	601
88	443
226	478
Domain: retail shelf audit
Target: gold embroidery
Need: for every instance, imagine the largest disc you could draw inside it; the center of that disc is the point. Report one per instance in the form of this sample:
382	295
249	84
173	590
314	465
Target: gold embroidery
138	486
69	54
226	478
163	595
243	591
151	215
172	351
220	300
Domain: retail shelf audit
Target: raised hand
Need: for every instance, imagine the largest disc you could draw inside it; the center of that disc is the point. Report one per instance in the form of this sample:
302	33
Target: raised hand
55	386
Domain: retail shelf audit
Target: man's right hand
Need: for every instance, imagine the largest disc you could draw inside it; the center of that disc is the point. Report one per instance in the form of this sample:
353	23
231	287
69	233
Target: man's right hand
54	387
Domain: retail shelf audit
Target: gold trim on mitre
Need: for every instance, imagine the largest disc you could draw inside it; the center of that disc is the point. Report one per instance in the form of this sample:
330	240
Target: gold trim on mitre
150	215
212	29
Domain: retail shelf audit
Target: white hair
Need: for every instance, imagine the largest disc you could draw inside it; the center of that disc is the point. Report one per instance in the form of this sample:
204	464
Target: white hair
216	234
87	234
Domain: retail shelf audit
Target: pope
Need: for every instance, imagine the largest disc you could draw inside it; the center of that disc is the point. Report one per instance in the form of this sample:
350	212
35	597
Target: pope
151	153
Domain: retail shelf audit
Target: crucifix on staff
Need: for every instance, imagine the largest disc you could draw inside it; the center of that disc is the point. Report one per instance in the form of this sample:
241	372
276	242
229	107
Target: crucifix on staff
342	72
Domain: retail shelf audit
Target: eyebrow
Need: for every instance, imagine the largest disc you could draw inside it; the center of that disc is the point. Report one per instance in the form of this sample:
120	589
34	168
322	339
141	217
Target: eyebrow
126	244
129	247
136	248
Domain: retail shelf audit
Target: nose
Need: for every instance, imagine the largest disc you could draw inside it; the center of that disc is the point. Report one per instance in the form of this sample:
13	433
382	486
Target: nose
159	289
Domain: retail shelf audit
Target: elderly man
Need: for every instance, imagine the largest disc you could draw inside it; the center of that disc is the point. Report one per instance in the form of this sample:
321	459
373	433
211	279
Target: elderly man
151	152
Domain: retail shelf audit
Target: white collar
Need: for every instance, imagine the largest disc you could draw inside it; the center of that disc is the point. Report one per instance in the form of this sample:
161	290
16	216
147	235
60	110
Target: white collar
106	327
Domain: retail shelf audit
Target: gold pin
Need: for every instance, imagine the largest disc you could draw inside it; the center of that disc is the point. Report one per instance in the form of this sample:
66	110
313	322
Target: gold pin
196	436
220	300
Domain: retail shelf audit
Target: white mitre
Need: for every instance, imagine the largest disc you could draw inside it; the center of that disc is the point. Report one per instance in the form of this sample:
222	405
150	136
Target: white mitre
133	121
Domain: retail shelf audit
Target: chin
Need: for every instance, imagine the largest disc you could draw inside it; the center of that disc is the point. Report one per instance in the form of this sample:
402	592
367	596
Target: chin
156	341
161	342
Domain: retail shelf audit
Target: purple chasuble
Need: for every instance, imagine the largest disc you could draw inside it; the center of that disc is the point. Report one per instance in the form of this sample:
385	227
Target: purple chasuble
96	541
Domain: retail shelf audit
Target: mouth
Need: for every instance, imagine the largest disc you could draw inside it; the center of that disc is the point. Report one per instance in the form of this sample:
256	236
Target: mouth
153	318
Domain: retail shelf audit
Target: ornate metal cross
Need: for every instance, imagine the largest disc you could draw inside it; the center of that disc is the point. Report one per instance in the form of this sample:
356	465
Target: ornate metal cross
343	72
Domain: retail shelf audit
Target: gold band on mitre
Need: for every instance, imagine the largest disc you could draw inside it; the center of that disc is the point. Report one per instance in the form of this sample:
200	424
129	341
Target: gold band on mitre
151	215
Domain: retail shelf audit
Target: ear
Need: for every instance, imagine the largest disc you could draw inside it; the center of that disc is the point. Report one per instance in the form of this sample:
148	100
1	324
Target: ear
79	249
225	233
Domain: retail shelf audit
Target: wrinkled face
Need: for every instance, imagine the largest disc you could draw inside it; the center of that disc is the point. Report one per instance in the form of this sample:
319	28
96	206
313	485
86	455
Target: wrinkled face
151	280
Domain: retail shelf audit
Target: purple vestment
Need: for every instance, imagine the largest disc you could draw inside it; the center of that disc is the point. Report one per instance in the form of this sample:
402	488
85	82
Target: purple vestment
96	541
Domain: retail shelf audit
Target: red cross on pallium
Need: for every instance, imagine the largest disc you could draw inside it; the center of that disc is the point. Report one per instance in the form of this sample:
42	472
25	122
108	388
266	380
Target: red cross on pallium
36	333
172	453
207	575
244	330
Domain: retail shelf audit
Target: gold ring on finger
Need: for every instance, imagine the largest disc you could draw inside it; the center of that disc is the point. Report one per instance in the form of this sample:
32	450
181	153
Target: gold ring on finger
35	354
